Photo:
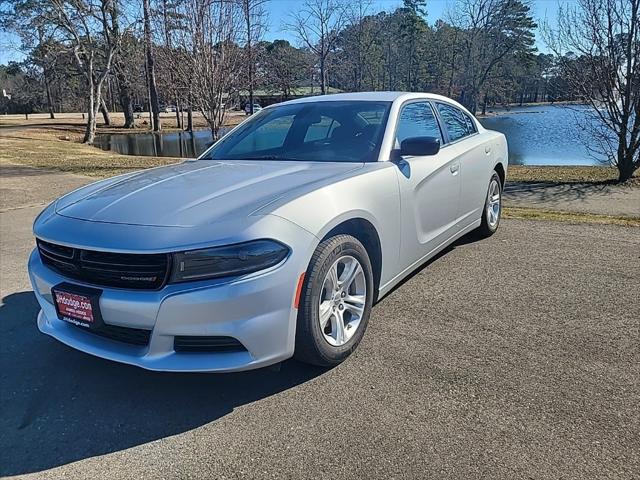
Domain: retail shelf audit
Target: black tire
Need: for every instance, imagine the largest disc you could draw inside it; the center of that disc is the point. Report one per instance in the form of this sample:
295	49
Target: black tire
311	345
486	229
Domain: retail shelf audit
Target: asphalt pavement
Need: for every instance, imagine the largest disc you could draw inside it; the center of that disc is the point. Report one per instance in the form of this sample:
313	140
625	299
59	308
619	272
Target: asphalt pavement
512	357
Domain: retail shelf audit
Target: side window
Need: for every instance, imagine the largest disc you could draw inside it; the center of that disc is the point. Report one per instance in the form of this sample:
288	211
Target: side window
321	130
417	120
458	123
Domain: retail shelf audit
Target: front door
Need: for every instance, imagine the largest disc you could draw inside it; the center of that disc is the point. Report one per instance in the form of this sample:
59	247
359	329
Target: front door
429	186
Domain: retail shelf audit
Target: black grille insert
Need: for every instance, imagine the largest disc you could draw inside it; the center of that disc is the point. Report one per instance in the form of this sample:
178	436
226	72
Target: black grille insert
207	344
132	336
121	270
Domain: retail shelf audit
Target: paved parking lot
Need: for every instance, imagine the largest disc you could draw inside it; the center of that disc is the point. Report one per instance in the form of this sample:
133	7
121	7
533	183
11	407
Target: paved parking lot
513	357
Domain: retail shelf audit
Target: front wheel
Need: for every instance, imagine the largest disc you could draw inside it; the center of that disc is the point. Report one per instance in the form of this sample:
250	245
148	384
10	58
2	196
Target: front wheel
492	208
335	303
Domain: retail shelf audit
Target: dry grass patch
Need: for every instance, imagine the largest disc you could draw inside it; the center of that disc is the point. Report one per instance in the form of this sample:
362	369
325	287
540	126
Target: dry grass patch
572	217
597	174
43	148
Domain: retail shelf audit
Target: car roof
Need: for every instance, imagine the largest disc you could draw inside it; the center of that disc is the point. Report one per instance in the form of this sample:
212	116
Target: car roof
396	98
369	96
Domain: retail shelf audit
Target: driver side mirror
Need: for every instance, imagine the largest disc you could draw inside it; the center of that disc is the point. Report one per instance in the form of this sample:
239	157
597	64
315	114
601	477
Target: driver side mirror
420	146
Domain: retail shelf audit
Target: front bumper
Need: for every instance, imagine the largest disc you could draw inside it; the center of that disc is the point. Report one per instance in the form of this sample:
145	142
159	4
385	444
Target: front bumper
257	310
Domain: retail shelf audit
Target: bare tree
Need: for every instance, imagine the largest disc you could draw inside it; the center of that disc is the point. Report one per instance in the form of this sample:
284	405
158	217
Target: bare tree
89	29
171	21
604	36
151	72
45	59
127	68
357	38
212	57
317	24
492	30
254	16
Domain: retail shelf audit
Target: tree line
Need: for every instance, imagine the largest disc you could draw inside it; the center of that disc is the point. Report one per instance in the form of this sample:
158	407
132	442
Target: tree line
207	55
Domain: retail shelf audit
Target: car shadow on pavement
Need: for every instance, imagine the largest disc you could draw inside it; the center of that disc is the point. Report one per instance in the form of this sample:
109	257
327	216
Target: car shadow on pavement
59	405
467	239
561	191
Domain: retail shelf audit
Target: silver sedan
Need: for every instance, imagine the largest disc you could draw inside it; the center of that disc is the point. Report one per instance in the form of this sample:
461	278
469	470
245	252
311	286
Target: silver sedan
275	243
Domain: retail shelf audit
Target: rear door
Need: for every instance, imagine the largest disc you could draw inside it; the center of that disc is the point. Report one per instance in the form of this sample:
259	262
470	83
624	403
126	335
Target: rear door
429	185
473	156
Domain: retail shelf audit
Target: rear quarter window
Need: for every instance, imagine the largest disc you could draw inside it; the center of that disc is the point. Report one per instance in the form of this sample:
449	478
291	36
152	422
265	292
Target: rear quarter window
457	123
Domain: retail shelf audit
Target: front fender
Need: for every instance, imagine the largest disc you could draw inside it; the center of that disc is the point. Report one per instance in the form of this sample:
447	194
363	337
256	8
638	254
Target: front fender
372	195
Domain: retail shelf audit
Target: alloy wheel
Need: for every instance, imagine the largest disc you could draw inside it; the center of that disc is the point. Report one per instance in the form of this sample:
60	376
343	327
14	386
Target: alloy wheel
342	300
493	203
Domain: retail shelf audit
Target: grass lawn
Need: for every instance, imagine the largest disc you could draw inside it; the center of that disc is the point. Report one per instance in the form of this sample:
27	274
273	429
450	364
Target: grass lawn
46	148
523	173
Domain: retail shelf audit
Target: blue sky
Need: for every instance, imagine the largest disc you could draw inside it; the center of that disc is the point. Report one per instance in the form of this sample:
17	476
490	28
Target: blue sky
279	10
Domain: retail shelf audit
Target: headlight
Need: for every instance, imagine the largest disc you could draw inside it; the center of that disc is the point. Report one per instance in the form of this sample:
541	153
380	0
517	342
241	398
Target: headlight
226	261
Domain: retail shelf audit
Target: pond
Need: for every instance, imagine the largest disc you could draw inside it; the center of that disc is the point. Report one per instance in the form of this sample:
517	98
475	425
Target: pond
540	135
172	144
544	135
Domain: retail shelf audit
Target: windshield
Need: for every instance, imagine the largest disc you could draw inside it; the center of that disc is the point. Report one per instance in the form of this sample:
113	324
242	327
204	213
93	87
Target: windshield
325	131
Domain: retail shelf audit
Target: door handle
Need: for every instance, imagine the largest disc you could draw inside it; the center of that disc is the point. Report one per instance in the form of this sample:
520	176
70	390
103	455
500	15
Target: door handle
454	168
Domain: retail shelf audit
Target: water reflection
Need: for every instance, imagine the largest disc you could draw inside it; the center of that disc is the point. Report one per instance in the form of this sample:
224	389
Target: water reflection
172	144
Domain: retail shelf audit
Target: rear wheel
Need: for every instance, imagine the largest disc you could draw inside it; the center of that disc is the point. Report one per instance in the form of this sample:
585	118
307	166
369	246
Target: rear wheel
335	303
492	208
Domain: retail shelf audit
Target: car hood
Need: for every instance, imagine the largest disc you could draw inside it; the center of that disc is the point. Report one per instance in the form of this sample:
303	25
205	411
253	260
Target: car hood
195	192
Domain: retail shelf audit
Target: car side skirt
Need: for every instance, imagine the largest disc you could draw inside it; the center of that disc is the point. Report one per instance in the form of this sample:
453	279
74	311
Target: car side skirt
387	287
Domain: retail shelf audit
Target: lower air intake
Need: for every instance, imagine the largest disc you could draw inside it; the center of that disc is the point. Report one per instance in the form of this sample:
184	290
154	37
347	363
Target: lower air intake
200	344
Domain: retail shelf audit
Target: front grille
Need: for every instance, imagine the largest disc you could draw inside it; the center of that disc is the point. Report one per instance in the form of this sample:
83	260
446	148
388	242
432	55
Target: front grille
120	270
207	344
133	336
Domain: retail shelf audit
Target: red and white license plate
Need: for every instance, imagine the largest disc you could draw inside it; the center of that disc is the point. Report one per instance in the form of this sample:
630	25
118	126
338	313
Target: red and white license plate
75	308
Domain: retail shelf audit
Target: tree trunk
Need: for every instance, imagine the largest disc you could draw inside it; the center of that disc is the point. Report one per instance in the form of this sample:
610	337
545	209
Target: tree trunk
470	101
247	16
47	85
625	170
178	113
189	119
90	129
105	112
625	163
126	103
92	114
323	85
151	74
